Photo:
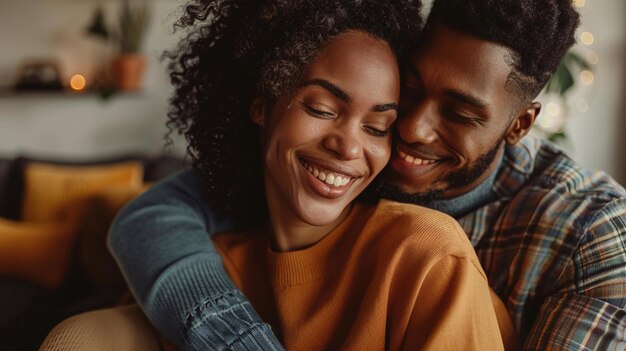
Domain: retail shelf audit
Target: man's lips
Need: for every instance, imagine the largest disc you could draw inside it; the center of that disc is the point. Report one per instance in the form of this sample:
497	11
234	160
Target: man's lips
416	160
412	164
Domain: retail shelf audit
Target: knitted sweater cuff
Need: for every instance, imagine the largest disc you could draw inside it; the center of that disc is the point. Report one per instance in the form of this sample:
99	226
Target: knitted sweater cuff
195	304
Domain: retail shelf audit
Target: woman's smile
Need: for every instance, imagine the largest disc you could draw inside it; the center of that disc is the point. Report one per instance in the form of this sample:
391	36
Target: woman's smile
327	181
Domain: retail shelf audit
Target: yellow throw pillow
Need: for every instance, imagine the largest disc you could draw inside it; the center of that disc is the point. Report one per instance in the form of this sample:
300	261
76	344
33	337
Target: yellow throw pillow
37	252
56	192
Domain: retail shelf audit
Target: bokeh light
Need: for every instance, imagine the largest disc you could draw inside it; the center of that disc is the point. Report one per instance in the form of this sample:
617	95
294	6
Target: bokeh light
77	82
553	109
587	77
586	38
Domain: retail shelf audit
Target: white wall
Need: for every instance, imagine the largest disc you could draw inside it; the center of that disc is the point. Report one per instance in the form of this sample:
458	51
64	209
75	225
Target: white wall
597	136
58	125
86	126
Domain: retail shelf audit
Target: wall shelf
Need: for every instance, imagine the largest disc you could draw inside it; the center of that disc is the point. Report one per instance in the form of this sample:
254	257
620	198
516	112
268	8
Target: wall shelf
7	93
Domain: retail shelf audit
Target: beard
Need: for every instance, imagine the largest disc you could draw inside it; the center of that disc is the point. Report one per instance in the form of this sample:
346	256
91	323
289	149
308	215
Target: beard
383	188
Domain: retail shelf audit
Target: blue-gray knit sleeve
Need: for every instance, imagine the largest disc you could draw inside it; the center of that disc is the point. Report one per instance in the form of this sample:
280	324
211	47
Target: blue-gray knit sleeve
161	243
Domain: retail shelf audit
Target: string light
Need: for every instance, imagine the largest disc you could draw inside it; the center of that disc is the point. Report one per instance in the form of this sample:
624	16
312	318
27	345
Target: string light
546	122
579	3
77	82
586	38
586	77
553	109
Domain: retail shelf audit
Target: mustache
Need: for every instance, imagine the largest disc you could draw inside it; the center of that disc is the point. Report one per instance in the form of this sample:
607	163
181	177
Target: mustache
424	151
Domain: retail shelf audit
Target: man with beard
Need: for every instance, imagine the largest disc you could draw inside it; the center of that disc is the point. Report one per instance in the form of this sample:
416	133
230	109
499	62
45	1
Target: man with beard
550	235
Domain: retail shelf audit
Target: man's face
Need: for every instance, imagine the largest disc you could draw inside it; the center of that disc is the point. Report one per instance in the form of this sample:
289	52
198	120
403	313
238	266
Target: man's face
454	115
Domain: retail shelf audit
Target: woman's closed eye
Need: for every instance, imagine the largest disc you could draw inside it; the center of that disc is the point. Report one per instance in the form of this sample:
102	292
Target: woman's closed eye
317	111
380	126
377	131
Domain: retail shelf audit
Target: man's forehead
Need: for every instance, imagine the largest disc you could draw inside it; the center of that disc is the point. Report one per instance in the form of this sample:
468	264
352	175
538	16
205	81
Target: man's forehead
448	55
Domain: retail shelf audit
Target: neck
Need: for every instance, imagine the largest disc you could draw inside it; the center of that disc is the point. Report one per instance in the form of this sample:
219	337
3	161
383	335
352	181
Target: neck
291	230
288	232
462	204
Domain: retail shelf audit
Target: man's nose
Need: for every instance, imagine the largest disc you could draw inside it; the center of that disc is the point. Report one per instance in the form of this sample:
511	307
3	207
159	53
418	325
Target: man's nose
418	125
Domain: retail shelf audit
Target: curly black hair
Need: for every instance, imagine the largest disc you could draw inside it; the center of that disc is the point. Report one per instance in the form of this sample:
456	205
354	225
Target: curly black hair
538	32
236	51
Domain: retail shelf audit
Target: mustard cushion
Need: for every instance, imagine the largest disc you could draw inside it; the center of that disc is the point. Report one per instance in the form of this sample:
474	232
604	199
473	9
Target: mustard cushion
37	252
55	192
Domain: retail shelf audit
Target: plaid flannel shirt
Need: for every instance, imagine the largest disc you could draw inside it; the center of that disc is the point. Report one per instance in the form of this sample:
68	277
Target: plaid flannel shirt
553	245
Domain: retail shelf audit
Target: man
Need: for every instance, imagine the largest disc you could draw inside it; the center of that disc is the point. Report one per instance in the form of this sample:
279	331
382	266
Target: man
550	235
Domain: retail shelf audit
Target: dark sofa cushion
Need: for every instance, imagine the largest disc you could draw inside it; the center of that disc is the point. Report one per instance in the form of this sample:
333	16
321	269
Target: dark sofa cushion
10	189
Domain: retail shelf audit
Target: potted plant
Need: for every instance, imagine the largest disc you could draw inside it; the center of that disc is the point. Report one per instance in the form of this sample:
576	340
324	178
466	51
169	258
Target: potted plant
129	65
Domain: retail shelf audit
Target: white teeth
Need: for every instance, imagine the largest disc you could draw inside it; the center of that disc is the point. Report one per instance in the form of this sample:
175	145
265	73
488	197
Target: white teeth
338	181
328	178
415	160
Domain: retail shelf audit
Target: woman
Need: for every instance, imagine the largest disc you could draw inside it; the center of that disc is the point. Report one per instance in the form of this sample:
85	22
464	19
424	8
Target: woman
318	83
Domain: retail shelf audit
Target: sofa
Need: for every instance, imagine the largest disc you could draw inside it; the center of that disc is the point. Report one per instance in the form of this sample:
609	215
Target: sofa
54	219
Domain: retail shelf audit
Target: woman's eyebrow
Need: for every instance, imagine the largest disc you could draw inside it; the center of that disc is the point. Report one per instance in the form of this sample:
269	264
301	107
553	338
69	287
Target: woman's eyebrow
332	88
345	97
385	107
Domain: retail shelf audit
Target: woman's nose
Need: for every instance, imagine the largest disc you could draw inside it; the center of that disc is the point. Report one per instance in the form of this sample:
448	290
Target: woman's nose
345	144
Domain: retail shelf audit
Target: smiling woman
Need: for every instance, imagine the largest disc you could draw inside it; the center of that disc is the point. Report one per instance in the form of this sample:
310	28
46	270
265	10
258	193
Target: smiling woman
288	106
324	143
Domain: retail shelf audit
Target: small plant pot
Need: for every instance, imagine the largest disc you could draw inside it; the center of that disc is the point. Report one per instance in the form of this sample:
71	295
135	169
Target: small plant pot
128	71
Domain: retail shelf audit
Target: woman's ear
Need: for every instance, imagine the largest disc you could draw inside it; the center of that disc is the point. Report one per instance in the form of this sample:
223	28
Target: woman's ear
257	111
522	123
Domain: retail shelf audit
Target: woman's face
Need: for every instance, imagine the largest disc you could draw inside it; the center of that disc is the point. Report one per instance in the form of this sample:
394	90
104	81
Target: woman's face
325	142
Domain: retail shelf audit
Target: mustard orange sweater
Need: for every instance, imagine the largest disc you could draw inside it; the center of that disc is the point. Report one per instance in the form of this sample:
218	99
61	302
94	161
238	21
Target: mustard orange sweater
390	277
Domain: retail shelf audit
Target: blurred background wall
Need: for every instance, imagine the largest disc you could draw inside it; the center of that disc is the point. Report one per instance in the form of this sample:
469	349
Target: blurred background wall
80	125
597	136
85	126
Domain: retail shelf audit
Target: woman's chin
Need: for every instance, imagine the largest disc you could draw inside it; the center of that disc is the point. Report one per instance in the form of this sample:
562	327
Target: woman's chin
323	215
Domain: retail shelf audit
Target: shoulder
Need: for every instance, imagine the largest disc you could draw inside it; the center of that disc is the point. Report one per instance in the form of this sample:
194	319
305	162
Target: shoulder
559	201
543	166
184	181
550	186
418	232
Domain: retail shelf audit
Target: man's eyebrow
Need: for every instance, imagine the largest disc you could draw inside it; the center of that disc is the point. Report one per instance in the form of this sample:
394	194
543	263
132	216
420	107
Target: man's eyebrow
332	88
468	99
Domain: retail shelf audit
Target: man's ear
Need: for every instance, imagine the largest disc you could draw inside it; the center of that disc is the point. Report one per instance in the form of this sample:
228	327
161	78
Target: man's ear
258	109
522	123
